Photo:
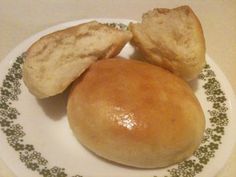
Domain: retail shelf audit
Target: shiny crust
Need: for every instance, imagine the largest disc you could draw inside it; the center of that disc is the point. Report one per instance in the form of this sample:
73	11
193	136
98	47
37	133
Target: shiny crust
135	114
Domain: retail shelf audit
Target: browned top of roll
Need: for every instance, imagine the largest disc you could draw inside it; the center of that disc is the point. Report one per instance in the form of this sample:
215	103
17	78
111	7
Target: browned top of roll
135	113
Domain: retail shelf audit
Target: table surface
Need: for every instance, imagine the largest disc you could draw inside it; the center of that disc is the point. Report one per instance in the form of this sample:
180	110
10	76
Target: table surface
21	19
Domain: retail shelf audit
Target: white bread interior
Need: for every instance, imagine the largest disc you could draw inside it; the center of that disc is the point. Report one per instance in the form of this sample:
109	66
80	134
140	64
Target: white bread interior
55	60
173	39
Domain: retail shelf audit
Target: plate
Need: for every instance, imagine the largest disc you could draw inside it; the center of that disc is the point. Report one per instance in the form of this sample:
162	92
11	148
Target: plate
36	139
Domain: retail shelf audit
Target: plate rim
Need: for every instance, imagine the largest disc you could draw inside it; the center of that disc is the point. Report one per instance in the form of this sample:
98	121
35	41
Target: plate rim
11	57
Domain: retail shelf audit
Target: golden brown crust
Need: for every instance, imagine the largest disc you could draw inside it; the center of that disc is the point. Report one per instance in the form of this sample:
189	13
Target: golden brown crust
56	59
173	39
135	114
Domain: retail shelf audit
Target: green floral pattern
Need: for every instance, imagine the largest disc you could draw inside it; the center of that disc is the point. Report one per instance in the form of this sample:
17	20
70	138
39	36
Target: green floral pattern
14	131
213	134
34	160
119	26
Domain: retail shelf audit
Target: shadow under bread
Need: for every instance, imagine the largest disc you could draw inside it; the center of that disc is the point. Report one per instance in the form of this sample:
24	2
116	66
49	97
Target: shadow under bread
55	106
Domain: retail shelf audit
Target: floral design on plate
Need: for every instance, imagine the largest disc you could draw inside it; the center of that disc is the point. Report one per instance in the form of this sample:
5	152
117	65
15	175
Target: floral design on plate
10	89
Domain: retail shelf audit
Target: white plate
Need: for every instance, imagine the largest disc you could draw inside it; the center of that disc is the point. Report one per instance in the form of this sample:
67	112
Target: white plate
37	141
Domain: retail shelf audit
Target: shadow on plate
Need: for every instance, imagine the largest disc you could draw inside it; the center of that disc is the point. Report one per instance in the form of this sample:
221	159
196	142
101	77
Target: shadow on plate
194	84
136	55
55	107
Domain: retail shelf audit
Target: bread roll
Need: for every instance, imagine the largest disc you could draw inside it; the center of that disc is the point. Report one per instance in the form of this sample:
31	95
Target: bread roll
56	59
173	39
135	114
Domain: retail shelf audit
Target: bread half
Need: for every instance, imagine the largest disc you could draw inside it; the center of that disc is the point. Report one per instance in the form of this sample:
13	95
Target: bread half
173	39
57	59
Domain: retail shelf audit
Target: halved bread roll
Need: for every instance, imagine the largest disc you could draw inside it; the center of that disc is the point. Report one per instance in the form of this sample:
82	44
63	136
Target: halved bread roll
57	59
135	114
173	39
